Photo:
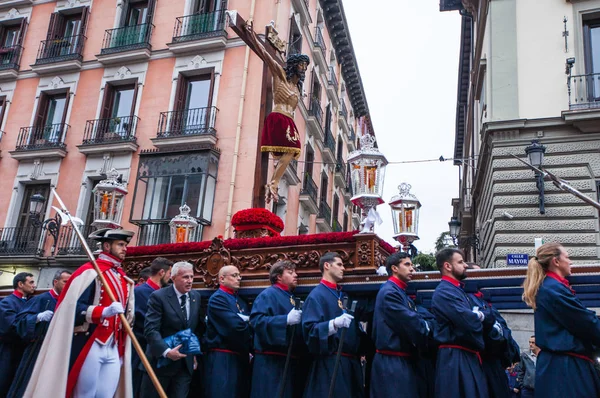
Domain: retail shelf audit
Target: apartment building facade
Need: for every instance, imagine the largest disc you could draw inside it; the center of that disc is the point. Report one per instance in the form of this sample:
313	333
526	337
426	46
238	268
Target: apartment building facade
166	94
528	72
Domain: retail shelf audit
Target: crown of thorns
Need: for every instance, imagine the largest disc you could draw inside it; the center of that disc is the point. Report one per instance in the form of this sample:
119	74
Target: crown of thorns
295	59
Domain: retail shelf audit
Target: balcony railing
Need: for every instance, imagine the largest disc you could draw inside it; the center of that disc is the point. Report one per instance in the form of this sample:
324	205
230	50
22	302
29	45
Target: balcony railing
42	137
320	41
340	166
68	244
315	109
329	140
199	26
335	225
20	241
187	122
126	38
101	131
159	232
343	110
61	49
324	211
10	57
309	187
332	78
352	134
294	166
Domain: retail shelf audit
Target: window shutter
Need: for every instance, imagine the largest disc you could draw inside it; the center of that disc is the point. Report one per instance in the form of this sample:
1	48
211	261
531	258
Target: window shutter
107	101
84	20
22	29
124	13
150	14
134	99
55	26
42	110
66	110
180	93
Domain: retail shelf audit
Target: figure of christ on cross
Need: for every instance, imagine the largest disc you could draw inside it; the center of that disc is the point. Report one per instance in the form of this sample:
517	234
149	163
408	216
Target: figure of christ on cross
280	135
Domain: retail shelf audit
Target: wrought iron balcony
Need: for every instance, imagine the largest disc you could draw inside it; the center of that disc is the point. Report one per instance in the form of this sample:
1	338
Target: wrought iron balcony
199	26
343	110
186	122
159	232
102	131
42	137
68	244
10	57
320	41
61	49
316	110
21	241
126	38
352	134
329	140
309	188
332	78
324	211
335	225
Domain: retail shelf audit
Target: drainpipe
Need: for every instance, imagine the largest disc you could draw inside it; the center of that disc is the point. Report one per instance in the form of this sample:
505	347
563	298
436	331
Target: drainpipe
238	132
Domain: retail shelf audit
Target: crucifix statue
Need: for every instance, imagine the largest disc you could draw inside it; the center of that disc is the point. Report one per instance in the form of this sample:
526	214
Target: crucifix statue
279	136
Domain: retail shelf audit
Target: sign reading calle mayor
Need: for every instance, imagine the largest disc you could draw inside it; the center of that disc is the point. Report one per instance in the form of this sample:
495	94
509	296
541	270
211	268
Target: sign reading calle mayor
517	259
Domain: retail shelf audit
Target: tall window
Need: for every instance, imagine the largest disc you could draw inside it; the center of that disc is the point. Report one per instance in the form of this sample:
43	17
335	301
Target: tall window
309	160
316	87
51	116
295	40
591	40
324	183
336	206
67	25
11	36
193	113
119	101
345	222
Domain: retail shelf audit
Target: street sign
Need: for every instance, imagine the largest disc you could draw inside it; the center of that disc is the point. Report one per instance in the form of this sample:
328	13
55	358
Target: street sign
517	259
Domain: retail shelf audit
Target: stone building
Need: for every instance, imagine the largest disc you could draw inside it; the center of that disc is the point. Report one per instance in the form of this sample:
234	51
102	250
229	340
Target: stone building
169	96
528	71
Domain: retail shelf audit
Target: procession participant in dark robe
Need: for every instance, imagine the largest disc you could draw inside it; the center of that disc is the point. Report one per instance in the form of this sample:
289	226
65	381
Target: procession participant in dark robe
323	319
86	351
144	275
274	314
496	342
425	365
459	373
565	330
31	325
11	347
228	339
158	276
398	331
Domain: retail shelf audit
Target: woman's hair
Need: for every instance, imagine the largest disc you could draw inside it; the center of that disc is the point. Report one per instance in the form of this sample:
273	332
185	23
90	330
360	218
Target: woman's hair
536	271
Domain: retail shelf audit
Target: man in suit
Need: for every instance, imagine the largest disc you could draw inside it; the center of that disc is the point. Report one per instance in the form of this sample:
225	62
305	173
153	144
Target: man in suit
171	310
160	274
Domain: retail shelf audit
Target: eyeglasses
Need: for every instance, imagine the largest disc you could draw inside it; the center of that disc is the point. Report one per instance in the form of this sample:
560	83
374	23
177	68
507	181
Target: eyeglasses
236	275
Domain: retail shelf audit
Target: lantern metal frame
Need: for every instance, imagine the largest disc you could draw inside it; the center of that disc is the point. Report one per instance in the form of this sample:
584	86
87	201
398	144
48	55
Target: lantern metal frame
535	153
183	226
367	174
109	201
52	224
403	205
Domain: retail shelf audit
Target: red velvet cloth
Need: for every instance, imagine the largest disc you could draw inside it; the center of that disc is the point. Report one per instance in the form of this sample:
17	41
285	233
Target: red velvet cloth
280	135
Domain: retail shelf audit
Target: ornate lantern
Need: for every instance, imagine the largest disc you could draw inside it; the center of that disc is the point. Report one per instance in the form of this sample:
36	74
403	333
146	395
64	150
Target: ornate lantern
367	167
405	213
183	226
109	199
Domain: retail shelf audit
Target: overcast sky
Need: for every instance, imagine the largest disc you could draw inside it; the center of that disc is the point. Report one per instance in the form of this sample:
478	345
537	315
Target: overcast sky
407	53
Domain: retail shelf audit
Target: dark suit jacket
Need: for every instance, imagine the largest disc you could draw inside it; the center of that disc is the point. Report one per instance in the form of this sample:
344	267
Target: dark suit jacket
163	319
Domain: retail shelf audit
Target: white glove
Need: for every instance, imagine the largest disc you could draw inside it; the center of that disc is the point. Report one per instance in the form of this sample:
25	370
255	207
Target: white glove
382	271
343	321
478	313
45	316
113	309
245	318
498	328
294	317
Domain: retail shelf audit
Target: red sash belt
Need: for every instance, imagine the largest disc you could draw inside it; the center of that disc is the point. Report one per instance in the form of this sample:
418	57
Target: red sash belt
580	356
274	353
459	347
394	353
225	351
345	354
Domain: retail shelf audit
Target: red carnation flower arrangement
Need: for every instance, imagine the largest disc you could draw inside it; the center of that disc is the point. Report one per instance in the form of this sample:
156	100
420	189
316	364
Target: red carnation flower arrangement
257	219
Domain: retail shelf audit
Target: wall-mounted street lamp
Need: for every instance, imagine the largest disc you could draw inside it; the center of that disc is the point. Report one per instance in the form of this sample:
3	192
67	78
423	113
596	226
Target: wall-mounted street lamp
535	153
462	241
52	225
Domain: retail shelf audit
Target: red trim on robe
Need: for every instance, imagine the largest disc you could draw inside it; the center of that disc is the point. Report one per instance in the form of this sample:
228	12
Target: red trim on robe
560	279
283	287
227	290
53	294
19	294
153	285
455	282
330	285
401	284
97	314
478	294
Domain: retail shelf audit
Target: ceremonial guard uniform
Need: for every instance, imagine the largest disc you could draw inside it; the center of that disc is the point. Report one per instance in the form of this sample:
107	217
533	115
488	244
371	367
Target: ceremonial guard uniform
567	334
272	335
398	330
11	347
459	373
97	340
500	351
32	331
228	343
324	304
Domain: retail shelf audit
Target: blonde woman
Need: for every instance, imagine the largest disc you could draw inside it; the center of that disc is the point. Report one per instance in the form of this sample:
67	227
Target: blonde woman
565	330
